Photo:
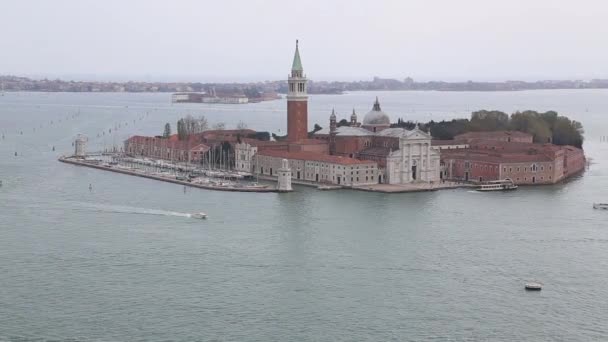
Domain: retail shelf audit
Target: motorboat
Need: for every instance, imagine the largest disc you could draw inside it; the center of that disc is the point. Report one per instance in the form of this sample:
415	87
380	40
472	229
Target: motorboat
533	286
200	215
497	185
600	206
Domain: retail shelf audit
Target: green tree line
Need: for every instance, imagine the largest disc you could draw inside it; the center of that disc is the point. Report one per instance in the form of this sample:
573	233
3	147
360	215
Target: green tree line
544	127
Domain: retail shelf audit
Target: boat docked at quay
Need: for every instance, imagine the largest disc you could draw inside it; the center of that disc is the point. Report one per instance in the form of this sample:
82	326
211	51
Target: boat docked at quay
497	185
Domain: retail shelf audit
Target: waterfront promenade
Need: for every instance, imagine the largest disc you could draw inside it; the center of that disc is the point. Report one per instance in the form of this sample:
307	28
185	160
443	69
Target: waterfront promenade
383	188
412	187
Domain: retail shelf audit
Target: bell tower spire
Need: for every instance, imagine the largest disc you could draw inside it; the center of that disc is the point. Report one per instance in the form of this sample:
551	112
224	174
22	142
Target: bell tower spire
297	100
297	63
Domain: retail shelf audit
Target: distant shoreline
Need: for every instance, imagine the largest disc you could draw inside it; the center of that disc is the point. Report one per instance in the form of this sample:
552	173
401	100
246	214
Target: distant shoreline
254	90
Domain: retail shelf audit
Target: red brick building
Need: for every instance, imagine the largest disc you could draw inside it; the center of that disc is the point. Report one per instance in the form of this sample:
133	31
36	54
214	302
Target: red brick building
524	163
191	149
318	168
166	148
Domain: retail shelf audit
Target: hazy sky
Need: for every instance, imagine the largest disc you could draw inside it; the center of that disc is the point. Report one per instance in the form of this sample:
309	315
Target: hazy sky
228	40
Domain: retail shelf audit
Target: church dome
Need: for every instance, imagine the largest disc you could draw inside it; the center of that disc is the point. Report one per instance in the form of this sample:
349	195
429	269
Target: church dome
376	117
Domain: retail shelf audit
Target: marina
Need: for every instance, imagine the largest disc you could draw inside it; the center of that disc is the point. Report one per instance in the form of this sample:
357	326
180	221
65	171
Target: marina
180	177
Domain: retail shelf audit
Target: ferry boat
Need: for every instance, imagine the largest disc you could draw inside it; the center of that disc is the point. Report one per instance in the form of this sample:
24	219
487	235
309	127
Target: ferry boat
603	206
497	185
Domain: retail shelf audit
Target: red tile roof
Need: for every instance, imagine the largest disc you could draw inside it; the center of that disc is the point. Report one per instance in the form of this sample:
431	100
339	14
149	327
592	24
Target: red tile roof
376	151
489	157
312	156
438	142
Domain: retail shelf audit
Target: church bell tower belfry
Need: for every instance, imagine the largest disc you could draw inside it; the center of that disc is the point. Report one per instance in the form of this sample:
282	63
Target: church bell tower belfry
297	101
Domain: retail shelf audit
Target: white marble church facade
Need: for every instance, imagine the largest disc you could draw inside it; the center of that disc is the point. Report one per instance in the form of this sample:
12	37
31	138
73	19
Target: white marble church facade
415	160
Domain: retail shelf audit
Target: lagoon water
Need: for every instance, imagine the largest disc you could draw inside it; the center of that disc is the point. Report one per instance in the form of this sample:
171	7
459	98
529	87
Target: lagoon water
123	262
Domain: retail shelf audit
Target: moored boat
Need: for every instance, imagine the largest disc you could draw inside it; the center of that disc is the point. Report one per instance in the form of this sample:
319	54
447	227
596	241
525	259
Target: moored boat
497	185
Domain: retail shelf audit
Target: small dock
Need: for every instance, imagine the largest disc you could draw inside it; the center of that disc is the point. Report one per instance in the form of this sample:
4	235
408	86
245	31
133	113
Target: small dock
83	162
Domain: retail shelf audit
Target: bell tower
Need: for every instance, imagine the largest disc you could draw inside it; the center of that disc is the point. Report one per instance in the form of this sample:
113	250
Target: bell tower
332	132
297	101
353	119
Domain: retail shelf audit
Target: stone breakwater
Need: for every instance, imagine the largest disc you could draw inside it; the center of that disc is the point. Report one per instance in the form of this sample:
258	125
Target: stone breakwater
80	162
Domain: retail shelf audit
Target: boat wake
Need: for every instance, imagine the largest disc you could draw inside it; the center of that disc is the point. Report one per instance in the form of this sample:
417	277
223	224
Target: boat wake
119	209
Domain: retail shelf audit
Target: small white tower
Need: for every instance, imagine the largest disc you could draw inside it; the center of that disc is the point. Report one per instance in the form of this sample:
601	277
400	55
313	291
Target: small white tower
284	183
80	146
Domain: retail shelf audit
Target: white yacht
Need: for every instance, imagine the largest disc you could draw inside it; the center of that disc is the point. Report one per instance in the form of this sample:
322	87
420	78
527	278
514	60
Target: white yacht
497	185
600	206
200	215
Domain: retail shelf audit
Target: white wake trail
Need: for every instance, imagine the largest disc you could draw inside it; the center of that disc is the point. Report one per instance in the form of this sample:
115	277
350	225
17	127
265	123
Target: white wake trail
131	210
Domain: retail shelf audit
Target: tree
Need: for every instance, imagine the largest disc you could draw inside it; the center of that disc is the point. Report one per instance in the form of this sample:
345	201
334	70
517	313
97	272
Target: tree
567	132
404	124
265	136
203	125
343	122
181	130
219	126
167	132
484	120
314	130
190	125
530	122
448	129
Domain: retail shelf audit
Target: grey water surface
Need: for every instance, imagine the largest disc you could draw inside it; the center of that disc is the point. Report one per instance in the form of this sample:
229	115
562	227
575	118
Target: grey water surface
123	262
